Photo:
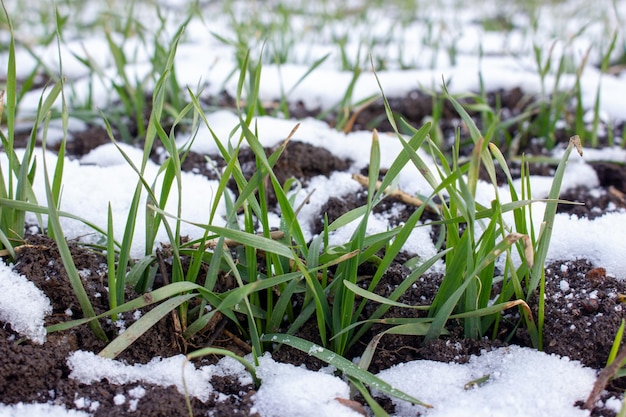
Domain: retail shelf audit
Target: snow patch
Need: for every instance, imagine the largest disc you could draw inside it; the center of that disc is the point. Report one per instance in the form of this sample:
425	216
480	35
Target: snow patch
290	391
545	385
48	410
88	368
22	305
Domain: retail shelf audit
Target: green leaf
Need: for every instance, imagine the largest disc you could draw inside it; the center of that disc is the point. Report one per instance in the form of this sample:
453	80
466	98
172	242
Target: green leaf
377	298
68	261
137	303
549	216
617	341
145	323
244	238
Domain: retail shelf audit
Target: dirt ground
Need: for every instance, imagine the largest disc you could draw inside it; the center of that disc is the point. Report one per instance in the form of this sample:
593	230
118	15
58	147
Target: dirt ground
582	317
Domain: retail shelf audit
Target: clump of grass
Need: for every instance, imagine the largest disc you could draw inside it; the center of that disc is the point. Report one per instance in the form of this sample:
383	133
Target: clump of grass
171	170
475	236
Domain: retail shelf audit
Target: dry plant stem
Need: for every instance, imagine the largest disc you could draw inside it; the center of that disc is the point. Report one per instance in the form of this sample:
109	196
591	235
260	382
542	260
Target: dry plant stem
177	338
217	329
353	405
350	124
5	252
603	379
399	194
617	193
524	306
245	346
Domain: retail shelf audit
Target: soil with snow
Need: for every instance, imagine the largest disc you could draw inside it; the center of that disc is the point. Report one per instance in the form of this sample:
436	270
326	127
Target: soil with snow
583	304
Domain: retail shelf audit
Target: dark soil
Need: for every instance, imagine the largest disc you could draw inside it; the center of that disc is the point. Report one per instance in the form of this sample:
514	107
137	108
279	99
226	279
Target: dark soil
583	307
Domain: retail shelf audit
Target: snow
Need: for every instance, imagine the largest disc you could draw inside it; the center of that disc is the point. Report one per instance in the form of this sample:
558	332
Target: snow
516	383
291	391
176	371
118	189
35	410
22	305
517	376
506	368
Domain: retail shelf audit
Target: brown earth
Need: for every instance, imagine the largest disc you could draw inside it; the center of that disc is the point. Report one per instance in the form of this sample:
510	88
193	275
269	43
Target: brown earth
582	317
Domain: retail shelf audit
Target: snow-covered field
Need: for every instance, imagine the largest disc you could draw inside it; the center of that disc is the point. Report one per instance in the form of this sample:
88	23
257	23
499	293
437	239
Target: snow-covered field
498	59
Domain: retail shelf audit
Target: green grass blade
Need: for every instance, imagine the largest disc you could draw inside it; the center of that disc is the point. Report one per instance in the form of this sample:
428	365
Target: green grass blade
11	96
282	305
344	365
377	298
346	218
450	302
35	208
111	260
401	289
244	238
374	168
549	215
414	143
617	341
124	258
145	300
371	402
145	323
68	261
